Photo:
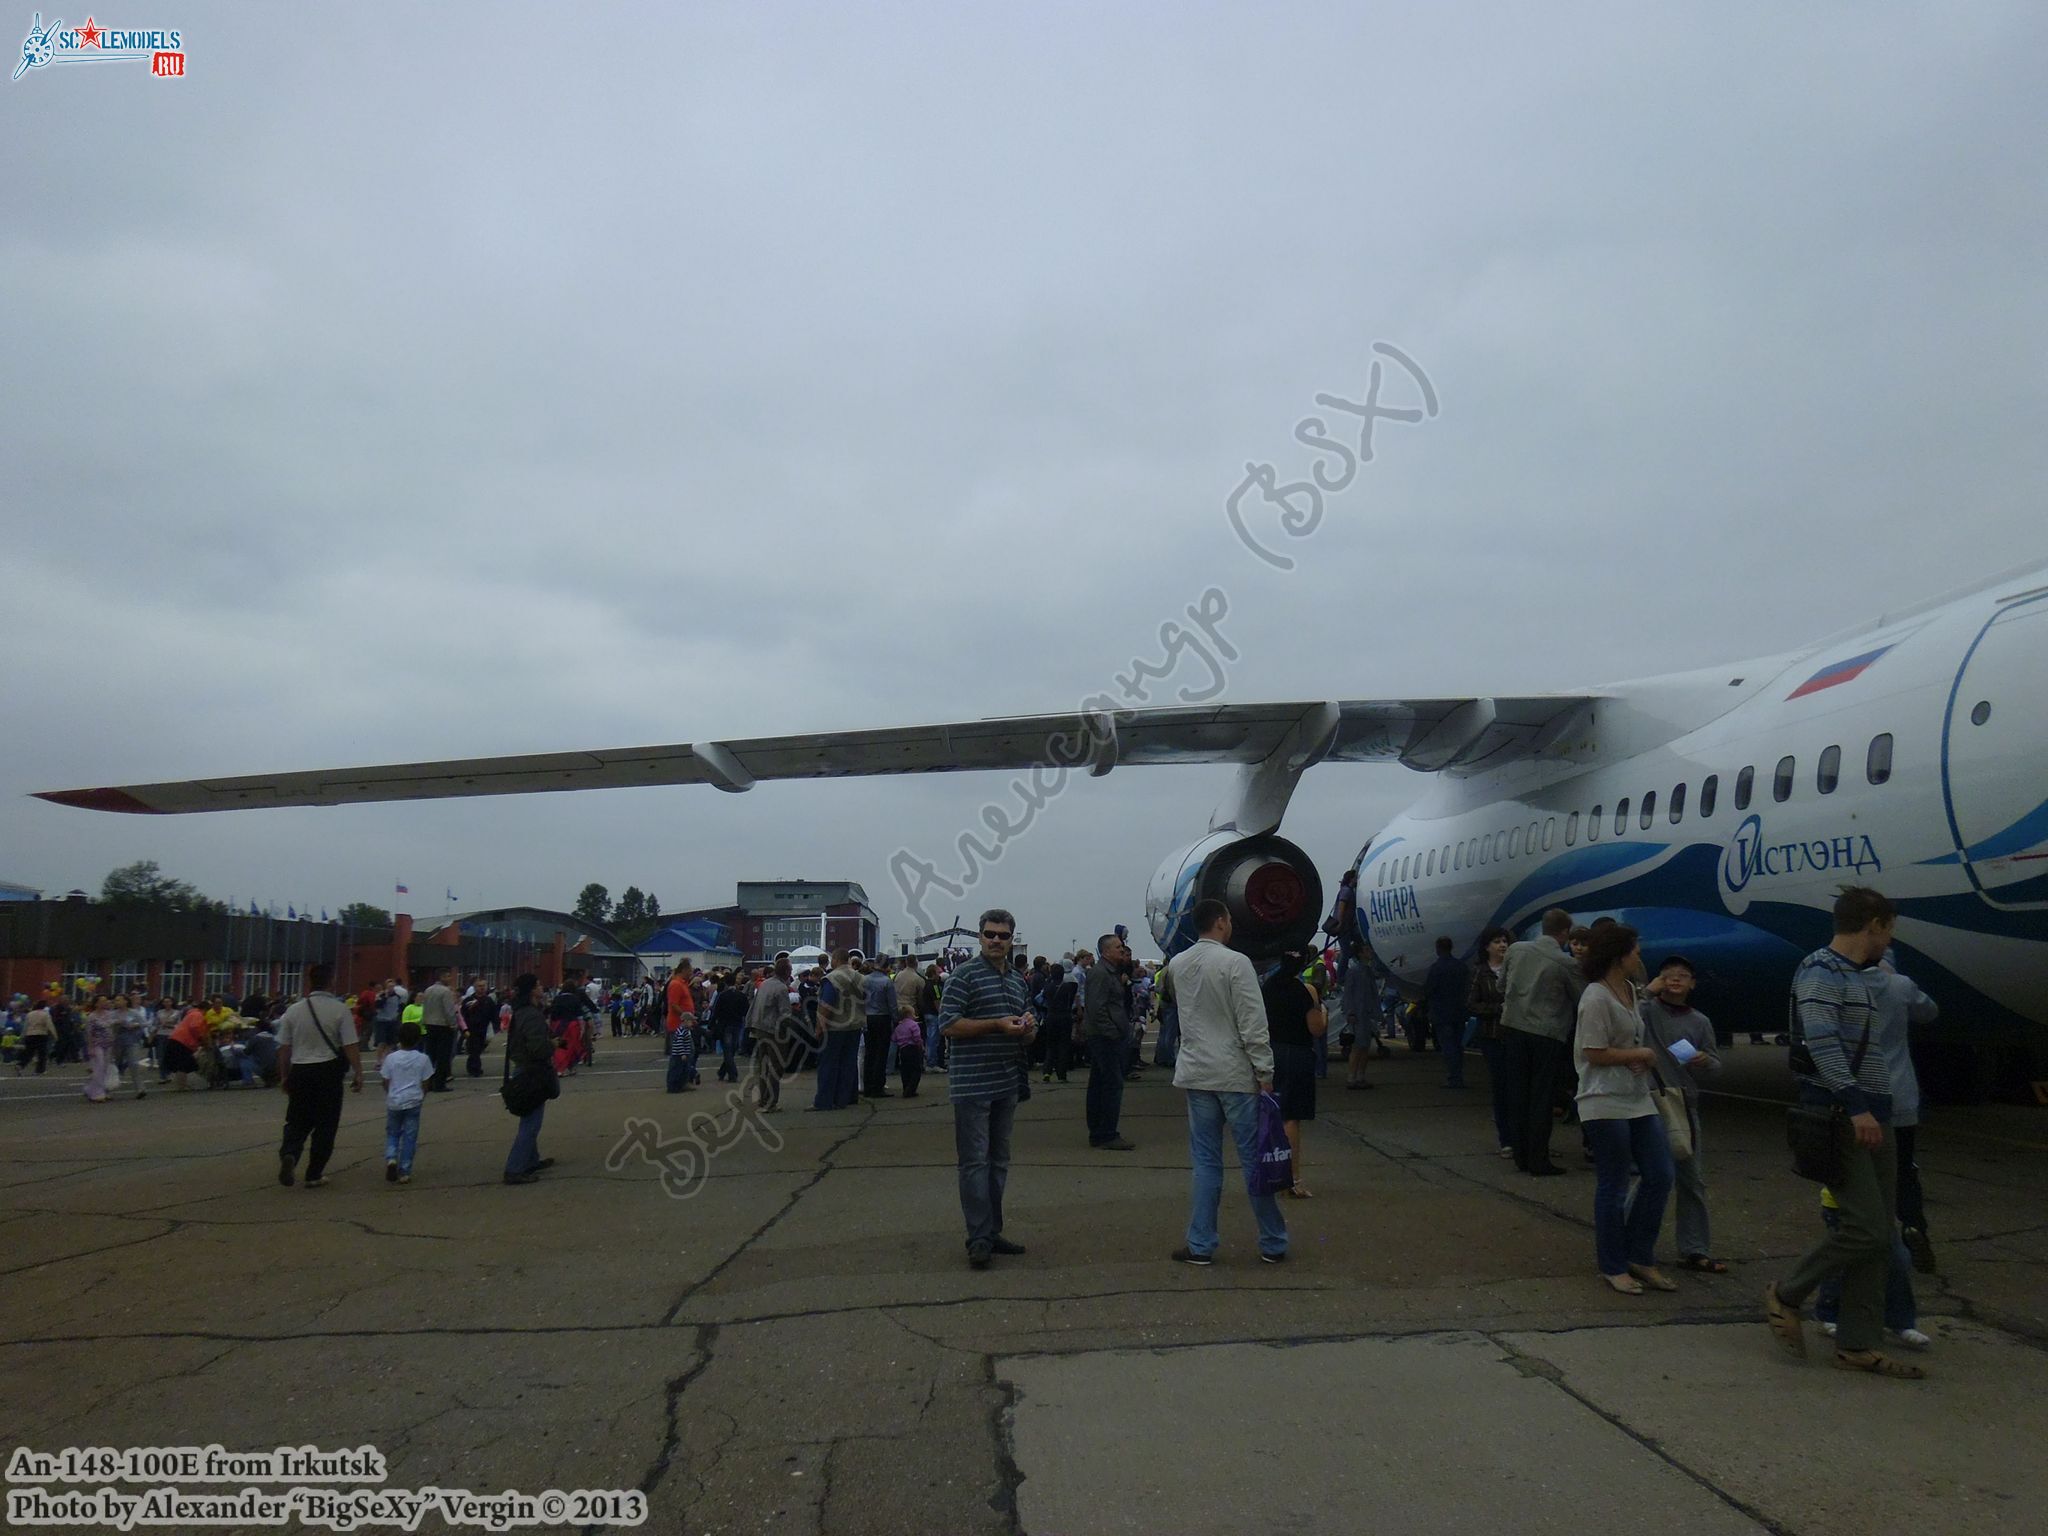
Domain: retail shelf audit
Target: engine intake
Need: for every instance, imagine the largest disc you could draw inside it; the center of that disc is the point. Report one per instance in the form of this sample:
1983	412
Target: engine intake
1271	887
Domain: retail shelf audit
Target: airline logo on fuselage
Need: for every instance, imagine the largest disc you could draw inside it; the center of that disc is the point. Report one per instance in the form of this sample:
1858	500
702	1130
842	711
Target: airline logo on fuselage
1394	911
1751	854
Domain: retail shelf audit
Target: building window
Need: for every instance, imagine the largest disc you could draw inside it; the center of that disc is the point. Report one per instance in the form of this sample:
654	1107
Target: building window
1549	832
218	980
1829	773
1877	767
1677	812
256	978
1745	781
1571	829
1515	843
1781	786
77	972
1621	816
1649	811
291	980
1710	788
129	976
178	979
1594	818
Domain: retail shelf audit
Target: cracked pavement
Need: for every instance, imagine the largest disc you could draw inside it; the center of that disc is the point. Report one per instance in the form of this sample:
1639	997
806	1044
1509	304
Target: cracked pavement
801	1347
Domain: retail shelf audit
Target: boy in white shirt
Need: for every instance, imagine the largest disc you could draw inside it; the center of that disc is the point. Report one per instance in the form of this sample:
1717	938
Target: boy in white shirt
405	1072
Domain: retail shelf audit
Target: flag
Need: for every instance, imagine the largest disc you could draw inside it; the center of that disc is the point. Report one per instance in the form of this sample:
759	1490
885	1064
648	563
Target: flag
291	912
1836	673
403	890
254	910
323	916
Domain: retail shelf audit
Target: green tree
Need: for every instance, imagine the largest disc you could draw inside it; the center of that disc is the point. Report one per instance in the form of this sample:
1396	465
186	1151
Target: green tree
593	903
360	914
632	908
653	907
144	884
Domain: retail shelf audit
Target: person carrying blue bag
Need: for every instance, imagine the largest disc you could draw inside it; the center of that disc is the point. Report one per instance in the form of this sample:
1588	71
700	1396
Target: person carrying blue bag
1225	1065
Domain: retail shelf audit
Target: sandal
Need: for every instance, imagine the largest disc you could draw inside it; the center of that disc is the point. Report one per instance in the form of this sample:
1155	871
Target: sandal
1701	1264
1628	1285
1784	1321
1875	1364
1652	1277
1299	1192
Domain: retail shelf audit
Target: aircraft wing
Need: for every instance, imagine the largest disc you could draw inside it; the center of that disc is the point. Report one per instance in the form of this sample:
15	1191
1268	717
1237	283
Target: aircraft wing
1427	734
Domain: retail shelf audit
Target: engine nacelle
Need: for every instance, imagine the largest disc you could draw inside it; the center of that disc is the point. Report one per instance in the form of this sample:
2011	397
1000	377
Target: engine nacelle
1272	889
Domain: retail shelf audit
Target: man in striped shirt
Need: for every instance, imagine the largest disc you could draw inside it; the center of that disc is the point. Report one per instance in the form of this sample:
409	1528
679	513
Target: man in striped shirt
1841	1064
984	1013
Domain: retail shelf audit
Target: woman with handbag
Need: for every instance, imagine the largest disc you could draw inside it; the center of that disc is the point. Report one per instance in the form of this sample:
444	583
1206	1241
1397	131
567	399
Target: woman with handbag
529	1080
1485	999
1621	1120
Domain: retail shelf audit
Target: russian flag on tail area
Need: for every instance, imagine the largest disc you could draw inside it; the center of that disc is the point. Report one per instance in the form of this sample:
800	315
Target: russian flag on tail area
1837	672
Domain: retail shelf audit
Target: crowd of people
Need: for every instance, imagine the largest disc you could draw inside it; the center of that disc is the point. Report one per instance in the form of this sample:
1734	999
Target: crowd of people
1572	1024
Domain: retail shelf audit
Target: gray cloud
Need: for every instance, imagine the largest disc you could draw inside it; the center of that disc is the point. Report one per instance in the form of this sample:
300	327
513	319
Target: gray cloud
523	380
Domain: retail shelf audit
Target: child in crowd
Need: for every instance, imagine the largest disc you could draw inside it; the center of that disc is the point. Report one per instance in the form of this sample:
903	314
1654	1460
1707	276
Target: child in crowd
908	1039
1901	1306
682	1055
405	1072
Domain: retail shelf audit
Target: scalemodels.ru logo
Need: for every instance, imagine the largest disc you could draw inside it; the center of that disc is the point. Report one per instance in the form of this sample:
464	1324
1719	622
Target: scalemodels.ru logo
163	51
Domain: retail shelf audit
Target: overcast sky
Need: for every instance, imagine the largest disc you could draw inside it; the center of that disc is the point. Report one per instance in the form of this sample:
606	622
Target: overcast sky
505	378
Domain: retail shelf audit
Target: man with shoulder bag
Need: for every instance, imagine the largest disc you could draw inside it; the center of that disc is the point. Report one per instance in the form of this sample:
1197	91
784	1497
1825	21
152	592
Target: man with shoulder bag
316	1047
1841	1132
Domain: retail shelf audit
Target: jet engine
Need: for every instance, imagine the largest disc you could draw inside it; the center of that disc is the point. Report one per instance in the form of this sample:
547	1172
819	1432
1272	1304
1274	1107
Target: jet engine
1271	887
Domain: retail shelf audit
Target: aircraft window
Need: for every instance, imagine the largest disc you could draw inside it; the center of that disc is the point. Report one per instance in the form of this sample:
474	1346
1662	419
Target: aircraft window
1532	837
1404	869
1549	832
1445	866
1710	789
1830	773
1649	811
1981	713
1472	851
1485	851
1599	814
1571	829
1514	842
1744	782
1877	767
1621	816
1781	786
1432	862
1677	804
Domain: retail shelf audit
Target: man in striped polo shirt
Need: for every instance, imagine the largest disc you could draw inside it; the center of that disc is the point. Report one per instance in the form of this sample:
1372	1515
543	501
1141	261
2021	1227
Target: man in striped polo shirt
985	1016
1840	1063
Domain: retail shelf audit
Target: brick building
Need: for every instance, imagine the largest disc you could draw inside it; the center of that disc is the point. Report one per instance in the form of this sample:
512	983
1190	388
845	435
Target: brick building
767	915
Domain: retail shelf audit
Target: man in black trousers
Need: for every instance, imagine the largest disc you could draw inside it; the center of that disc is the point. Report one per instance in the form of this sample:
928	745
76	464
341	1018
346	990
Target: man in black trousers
1540	989
316	1049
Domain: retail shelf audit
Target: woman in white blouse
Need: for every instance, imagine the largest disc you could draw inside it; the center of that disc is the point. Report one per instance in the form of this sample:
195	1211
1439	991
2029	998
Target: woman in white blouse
1618	1115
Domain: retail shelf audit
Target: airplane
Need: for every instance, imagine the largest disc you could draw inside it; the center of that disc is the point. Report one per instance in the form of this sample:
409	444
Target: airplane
1718	811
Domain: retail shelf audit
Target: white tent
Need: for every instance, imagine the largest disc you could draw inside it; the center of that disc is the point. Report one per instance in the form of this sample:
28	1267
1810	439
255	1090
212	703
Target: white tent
804	958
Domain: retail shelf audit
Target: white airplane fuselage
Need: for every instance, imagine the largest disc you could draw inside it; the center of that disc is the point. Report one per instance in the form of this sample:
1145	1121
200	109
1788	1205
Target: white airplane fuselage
1720	812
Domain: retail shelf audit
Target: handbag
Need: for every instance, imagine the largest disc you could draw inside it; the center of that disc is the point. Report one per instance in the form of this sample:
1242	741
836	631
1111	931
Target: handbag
1670	1104
1818	1136
1274	1171
530	1087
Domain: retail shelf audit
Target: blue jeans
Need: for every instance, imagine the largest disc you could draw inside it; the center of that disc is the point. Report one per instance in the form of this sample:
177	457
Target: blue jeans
1625	1225
729	1047
401	1136
1207	1113
526	1142
1901	1306
1167	1051
838	1070
1105	1088
981	1144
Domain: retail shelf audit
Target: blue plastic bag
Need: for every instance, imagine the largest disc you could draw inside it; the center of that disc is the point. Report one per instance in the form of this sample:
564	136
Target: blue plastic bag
1275	1171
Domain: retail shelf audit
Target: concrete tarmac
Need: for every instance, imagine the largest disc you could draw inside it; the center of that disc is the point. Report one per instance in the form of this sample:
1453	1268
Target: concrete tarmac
798	1344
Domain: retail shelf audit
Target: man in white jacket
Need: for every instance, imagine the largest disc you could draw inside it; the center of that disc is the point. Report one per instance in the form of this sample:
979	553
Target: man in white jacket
1225	1063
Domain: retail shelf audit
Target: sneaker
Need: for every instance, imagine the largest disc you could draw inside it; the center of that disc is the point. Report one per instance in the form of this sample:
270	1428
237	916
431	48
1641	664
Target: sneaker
1188	1256
1919	1247
391	1173
1273	1258
1828	1329
546	1162
1507	1151
284	1171
978	1255
1003	1245
1047	1078
1912	1338
522	1178
1119	1145
405	1178
317	1183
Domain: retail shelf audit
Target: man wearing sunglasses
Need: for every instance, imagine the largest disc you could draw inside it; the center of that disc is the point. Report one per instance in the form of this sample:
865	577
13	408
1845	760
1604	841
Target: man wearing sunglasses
986	1018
